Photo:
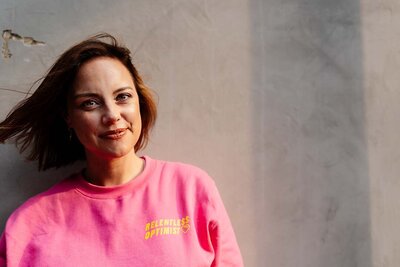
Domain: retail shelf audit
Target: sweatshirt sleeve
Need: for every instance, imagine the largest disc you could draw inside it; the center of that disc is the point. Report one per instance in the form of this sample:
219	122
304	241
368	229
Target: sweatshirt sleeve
223	238
3	250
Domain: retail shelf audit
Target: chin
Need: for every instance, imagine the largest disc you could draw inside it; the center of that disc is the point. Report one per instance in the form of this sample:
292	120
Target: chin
119	154
112	153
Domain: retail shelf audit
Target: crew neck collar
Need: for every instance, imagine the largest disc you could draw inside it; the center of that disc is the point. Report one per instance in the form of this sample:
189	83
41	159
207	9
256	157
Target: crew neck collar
96	191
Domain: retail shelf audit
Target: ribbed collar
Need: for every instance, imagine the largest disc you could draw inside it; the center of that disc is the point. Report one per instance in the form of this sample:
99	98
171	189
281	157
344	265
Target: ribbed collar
103	192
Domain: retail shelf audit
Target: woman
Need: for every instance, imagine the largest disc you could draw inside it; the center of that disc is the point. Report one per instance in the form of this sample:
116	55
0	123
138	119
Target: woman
122	209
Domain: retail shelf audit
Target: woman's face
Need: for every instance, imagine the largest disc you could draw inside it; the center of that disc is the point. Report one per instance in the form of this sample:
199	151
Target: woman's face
103	109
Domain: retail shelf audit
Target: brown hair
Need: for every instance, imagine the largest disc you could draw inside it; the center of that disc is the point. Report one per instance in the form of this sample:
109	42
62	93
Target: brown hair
38	122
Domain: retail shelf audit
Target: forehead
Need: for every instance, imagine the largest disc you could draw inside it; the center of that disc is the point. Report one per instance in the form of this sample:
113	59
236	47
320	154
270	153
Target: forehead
102	71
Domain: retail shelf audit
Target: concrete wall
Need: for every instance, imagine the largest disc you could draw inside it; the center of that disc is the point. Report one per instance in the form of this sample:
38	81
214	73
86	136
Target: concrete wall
381	63
291	105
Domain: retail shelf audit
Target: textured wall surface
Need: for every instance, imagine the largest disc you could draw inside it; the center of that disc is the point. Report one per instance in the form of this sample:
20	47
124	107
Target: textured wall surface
290	105
381	61
307	80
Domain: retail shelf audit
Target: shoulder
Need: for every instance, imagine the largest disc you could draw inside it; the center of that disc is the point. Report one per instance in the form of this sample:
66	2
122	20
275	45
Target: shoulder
36	209
183	175
180	170
179	167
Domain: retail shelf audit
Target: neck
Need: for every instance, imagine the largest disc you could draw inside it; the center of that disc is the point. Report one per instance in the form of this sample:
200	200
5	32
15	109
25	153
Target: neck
116	171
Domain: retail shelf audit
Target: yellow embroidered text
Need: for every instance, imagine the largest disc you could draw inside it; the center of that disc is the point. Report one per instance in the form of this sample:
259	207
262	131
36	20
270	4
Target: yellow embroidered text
167	227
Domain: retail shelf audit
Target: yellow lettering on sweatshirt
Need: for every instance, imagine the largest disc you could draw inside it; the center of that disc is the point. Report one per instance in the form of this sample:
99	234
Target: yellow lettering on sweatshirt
167	226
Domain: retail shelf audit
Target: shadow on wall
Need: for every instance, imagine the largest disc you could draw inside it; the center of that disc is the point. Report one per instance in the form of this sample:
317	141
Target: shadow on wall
310	150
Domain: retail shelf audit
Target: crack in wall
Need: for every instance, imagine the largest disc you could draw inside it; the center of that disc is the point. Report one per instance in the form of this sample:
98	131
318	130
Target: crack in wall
15	91
8	35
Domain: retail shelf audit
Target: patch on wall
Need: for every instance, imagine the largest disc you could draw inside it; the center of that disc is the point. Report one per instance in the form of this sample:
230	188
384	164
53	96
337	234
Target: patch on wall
8	35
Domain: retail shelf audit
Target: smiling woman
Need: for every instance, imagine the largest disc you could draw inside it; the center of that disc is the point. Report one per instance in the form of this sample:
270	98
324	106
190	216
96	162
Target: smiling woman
122	209
103	110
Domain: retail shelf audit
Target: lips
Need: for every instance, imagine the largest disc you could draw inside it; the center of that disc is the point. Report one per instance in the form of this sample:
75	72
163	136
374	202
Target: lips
114	134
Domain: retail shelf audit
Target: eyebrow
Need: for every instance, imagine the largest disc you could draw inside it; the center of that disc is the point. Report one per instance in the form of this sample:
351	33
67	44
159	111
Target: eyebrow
94	94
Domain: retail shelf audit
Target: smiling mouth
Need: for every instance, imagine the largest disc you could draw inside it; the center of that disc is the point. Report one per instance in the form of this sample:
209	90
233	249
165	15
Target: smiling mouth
114	134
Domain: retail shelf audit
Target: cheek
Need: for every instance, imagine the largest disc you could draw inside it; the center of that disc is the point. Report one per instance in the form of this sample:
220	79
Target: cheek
83	122
132	114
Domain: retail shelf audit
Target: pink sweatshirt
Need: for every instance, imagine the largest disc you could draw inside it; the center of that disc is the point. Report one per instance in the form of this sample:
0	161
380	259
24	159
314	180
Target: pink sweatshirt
170	215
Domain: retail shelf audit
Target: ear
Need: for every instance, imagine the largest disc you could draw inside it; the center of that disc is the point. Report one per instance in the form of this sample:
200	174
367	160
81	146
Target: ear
67	119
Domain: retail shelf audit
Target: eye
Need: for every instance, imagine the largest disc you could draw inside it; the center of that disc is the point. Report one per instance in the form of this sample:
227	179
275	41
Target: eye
89	104
123	97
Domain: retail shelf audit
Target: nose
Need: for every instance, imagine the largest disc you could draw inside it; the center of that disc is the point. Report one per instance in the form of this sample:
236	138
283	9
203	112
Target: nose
111	115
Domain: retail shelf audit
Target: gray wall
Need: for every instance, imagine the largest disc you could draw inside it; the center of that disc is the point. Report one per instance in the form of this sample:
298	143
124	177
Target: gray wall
291	105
